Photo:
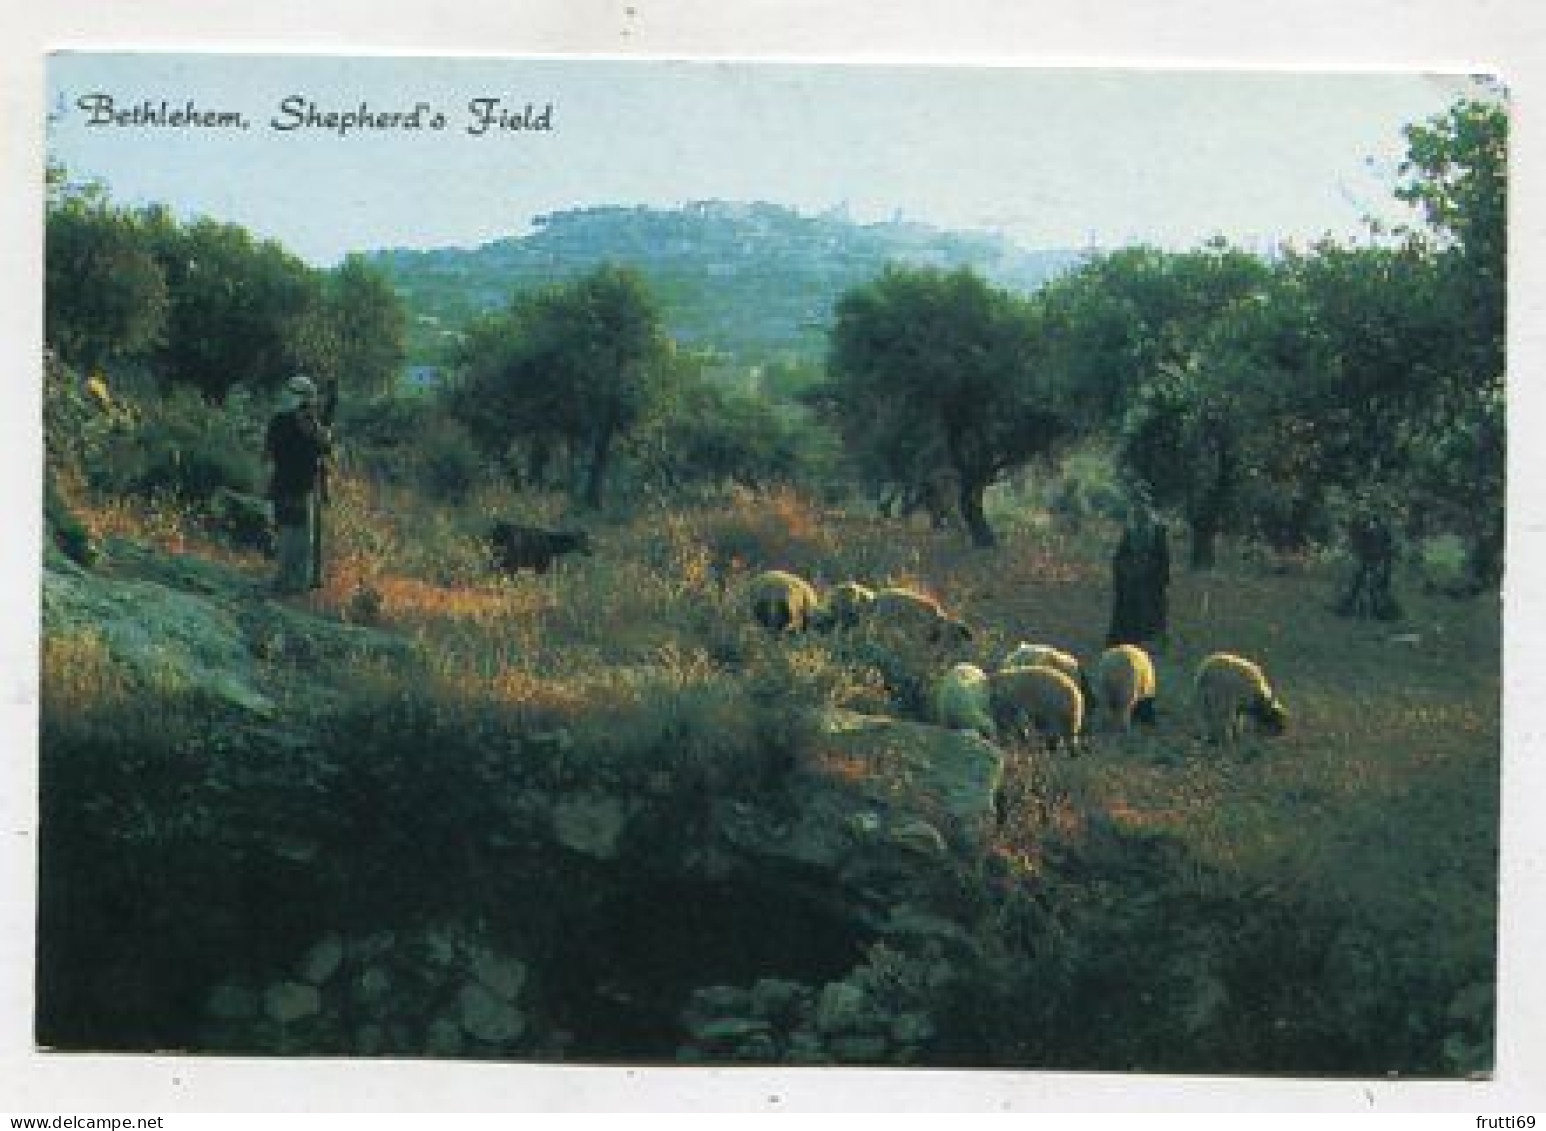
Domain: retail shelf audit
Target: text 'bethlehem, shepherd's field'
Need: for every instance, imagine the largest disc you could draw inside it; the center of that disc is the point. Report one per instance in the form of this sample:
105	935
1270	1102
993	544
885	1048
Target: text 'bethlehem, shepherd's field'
298	113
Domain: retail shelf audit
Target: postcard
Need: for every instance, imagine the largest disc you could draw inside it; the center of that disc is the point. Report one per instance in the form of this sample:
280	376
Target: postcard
773	565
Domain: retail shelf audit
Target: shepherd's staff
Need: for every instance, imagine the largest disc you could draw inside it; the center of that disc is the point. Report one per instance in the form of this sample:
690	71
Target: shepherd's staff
328	407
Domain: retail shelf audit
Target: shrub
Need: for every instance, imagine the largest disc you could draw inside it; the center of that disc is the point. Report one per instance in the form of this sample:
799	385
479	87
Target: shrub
182	447
769	529
65	530
446	463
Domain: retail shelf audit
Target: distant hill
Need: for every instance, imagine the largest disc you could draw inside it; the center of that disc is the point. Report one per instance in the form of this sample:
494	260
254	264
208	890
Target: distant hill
753	282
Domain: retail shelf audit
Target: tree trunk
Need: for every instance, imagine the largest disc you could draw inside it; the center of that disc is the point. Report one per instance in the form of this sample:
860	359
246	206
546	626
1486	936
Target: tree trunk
1140	579
537	463
1204	541
972	514
601	452
1486	555
1369	593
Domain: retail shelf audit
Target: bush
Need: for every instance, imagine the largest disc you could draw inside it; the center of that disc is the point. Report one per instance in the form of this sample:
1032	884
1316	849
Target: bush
65	530
447	466
183	447
766	530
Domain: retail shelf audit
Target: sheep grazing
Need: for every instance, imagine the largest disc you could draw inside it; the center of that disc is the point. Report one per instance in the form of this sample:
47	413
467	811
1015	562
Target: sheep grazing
1125	678
528	547
916	617
1041	656
1231	690
782	601
846	605
1045	656
1039	698
962	700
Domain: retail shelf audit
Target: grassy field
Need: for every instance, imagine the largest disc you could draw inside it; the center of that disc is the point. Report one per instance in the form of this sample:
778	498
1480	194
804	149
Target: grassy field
1321	902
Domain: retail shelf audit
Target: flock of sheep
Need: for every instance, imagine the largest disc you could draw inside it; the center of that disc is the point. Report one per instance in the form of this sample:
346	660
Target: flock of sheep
1036	689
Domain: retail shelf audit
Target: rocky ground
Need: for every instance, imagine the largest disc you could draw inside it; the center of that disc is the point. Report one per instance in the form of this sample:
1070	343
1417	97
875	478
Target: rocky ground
816	924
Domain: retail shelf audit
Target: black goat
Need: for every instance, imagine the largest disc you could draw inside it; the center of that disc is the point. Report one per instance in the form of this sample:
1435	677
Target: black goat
530	547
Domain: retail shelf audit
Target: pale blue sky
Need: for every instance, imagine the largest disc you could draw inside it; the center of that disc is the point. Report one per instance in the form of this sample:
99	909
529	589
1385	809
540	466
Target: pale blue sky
1053	158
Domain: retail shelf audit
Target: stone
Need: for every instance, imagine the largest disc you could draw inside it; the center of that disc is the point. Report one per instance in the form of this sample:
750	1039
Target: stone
443	1037
231	1002
288	1002
440	947
720	1000
173	641
591	825
758	1048
841	1008
912	1028
806	1048
865	824
322	961
372	986
487	1018
371	946
908	921
917	835
859	1049
369	1039
296	848
951	778
502	976
730	1030
778	998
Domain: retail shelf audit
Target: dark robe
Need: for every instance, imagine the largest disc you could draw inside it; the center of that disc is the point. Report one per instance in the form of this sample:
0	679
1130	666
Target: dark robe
1140	577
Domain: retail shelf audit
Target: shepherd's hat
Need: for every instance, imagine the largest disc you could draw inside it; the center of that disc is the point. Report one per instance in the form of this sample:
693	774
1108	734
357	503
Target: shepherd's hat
298	390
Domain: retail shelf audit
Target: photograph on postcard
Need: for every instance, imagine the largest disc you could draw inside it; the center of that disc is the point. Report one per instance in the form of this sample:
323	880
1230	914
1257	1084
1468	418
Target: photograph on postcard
714	562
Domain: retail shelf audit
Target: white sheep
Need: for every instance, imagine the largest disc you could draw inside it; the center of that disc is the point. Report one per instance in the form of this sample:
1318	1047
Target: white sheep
846	605
1043	699
962	700
914	616
783	601
1231	690
1125	681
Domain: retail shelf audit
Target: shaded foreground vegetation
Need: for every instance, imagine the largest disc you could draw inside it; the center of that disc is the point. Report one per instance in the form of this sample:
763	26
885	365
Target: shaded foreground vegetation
1324	903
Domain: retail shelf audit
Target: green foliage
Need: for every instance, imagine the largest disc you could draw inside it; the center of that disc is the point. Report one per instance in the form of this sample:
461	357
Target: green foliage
64	529
411	438
754	283
152	884
1457	165
933	370
105	297
702	434
368	326
203	304
1126	317
1457	169
446	464
180	445
242	313
576	363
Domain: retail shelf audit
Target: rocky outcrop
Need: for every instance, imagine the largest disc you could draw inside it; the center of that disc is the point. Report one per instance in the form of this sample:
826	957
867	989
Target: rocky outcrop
446	991
877	1014
886	807
169	640
849	865
182	624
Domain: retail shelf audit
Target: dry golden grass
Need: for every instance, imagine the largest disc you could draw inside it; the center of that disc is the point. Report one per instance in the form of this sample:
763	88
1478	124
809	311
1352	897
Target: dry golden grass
1378	807
77	673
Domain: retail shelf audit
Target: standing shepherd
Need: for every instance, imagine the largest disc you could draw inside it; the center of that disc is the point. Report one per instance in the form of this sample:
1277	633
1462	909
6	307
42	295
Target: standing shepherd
298	446
1140	578
1369	592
